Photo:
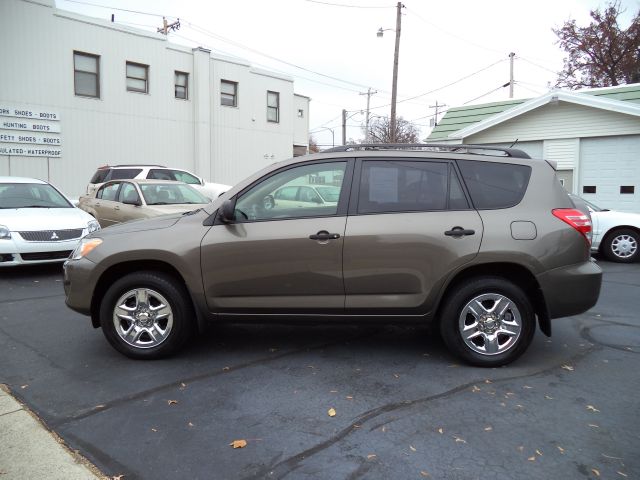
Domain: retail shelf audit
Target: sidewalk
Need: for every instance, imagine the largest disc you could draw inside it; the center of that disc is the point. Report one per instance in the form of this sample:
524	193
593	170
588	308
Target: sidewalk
29	451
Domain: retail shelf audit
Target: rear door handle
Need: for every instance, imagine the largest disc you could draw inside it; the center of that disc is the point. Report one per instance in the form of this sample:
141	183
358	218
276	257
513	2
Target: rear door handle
323	235
459	232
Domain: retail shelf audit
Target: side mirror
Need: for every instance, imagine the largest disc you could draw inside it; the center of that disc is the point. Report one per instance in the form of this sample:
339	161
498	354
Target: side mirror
202	182
136	203
227	211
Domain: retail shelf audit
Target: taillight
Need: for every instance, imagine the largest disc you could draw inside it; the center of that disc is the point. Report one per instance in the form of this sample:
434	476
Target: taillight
577	219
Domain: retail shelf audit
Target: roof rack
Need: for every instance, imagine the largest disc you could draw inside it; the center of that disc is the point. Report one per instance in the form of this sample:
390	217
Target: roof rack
433	147
134	165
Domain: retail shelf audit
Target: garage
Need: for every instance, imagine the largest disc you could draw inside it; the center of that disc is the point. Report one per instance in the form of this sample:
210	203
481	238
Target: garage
609	173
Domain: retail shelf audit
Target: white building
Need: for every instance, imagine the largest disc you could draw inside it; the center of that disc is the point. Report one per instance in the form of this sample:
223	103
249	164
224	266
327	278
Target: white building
77	92
592	134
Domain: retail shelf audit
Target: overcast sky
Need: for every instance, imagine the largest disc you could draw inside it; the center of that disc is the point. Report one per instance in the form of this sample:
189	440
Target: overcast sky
441	42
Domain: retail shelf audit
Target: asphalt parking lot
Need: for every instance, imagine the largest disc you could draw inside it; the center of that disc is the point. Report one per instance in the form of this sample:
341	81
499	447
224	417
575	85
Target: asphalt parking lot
405	408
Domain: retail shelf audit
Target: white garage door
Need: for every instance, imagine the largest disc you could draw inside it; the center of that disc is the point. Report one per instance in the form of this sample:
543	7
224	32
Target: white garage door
611	167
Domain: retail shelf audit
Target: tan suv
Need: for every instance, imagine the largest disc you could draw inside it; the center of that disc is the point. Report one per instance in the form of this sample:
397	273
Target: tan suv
482	241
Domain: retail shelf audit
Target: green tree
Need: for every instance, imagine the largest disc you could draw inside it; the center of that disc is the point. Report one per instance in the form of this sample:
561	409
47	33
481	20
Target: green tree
601	54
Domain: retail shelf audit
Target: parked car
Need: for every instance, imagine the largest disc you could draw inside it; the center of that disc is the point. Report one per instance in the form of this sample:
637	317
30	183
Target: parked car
123	200
38	224
616	235
481	241
154	172
303	195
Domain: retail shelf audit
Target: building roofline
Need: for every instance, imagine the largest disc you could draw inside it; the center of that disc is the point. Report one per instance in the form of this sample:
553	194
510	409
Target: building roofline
551	97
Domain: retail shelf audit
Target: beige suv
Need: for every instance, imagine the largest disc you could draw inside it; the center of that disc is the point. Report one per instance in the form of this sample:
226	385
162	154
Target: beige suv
484	242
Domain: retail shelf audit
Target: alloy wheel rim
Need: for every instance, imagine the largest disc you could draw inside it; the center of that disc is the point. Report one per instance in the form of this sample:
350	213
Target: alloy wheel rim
490	324
624	246
143	318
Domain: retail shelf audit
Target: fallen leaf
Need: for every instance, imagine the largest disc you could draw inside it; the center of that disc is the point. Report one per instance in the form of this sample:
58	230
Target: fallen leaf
355	425
117	477
412	448
349	397
384	428
561	450
488	429
623	474
333	391
487	381
475	389
23	386
331	412
425	474
539	452
460	440
596	472
183	386
519	406
532	459
238	443
225	369
190	424
440	430
396	375
568	367
527	387
98	407
369	457
508	394
548	397
502	404
172	402
154	430
521	448
593	425
592	408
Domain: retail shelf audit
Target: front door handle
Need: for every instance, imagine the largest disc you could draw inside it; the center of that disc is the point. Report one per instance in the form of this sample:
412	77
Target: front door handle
323	236
459	232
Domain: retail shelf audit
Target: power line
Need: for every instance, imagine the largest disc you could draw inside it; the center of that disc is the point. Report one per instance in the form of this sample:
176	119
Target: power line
349	6
536	65
485	94
445	86
119	9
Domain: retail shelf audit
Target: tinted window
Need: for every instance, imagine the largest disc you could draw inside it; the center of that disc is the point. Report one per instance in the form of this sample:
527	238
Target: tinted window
99	176
387	186
31	195
128	194
495	185
185	177
108	192
171	194
122	173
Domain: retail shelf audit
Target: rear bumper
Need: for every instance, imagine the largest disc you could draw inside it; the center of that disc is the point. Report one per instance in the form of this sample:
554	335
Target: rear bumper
571	290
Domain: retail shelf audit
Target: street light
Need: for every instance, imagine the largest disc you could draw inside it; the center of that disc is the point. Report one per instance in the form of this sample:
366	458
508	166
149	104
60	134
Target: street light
394	87
333	136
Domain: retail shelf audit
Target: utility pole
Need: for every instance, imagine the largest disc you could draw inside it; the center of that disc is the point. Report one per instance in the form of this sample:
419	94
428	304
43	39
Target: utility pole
164	29
344	127
394	86
437	106
511	57
368	93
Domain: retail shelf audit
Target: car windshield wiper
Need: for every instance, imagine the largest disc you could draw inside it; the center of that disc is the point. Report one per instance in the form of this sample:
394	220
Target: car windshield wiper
191	212
35	206
158	203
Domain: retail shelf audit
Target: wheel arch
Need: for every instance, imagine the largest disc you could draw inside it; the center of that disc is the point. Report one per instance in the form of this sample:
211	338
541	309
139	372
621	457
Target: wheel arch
612	230
513	272
118	270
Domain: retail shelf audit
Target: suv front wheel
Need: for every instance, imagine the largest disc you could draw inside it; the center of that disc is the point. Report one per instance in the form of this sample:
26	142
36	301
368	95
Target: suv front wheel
487	321
146	315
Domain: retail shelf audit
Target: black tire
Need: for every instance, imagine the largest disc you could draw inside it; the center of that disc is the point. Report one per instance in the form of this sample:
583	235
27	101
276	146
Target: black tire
622	245
162	338
487	289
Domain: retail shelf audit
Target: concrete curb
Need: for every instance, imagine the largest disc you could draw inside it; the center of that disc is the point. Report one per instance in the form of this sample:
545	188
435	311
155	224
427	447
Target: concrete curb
30	450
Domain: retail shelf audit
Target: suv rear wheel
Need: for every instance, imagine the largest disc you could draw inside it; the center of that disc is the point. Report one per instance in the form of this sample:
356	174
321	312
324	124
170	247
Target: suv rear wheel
146	315
487	321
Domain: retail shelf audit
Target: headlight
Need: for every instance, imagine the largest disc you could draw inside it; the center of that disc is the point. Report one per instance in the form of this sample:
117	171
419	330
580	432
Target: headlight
84	247
5	233
93	226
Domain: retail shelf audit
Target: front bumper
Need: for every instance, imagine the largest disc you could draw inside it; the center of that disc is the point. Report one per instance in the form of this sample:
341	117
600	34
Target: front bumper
14	252
571	290
79	282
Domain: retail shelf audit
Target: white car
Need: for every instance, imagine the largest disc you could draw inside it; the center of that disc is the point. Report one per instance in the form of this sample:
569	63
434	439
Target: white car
615	234
154	172
38	224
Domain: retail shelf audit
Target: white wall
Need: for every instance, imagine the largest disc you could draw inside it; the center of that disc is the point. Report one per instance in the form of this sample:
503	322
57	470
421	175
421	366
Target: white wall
125	127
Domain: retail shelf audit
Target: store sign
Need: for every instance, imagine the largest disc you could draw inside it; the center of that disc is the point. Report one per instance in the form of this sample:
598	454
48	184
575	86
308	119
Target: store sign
6	111
29	151
25	132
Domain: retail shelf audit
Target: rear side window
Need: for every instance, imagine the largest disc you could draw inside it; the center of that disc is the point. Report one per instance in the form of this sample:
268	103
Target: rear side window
161	174
407	186
495	185
99	176
122	173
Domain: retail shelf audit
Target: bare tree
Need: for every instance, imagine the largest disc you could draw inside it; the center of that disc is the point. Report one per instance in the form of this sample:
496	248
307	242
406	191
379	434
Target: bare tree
600	54
380	131
313	145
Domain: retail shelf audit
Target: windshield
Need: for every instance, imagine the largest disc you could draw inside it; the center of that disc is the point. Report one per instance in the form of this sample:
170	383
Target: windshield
31	195
171	194
329	194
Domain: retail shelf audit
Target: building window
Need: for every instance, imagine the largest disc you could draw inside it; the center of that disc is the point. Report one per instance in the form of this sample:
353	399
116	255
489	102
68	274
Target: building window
182	85
273	107
86	74
137	77
627	189
228	93
300	113
589	189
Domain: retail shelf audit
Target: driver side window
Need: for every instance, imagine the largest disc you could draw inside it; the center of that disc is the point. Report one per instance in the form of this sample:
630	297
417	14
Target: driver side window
278	197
